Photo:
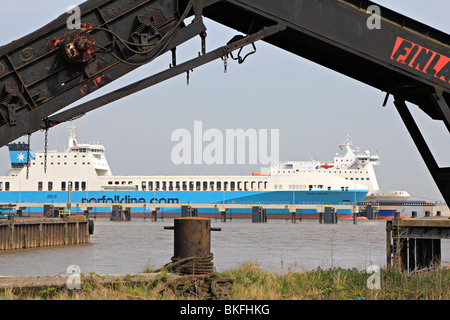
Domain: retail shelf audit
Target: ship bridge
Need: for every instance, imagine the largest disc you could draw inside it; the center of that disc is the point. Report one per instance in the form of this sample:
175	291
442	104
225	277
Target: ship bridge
51	68
367	158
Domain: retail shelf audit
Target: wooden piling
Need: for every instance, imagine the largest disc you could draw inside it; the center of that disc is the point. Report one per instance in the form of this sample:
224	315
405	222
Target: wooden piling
420	253
403	248
389	243
411	254
33	233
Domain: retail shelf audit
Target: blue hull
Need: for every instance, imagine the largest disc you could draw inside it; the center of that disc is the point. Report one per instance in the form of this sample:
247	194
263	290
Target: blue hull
185	197
386	214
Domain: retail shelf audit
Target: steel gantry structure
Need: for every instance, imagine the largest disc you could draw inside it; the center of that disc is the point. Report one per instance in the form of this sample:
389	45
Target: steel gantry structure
53	67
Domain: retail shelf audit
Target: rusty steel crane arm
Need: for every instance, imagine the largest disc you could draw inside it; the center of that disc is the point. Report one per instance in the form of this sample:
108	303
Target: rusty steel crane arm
222	52
55	66
400	56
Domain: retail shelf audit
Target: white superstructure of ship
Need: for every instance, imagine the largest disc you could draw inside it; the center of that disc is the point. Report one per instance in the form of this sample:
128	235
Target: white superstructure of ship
83	168
352	165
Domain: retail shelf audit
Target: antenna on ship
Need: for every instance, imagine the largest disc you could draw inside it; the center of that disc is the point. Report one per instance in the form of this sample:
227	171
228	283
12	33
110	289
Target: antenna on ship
72	136
72	132
347	141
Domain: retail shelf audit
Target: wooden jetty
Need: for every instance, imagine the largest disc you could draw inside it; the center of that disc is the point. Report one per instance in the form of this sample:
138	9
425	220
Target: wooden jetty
21	233
415	244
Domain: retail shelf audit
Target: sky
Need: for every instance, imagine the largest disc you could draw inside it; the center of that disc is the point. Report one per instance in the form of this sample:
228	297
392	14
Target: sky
311	106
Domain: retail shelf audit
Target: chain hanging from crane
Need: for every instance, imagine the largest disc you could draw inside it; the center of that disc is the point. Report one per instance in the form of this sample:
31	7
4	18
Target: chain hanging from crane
47	126
45	150
28	155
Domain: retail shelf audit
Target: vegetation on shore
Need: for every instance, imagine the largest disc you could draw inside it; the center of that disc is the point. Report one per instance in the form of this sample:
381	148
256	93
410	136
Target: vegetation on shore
250	282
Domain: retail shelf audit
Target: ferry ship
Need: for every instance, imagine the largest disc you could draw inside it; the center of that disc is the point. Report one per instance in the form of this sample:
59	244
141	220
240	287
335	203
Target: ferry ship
356	167
82	173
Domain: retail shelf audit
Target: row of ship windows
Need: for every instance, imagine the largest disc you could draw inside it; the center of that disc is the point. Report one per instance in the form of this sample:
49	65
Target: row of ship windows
59	163
6	185
160	185
300	187
86	150
51	156
75	186
362	159
197	185
178	186
292	171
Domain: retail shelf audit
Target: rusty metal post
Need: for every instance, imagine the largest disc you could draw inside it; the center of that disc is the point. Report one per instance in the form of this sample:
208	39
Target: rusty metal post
192	237
154	216
293	217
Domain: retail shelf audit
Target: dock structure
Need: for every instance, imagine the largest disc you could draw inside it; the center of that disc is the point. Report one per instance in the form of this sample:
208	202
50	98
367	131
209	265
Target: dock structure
415	244
22	233
119	213
258	212
186	209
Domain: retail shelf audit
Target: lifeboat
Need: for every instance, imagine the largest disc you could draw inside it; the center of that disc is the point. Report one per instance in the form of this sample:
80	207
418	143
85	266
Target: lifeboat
327	166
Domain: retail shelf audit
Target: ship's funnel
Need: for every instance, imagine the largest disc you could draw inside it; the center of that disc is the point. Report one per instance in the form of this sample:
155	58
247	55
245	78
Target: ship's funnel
18	153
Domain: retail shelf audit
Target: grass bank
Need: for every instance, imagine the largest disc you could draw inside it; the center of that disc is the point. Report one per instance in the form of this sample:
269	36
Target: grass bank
253	283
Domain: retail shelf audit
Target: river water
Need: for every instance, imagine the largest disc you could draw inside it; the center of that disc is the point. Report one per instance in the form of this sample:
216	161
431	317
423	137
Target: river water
278	245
